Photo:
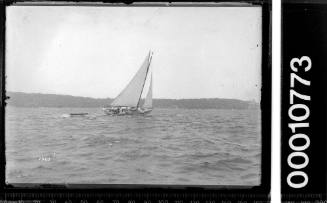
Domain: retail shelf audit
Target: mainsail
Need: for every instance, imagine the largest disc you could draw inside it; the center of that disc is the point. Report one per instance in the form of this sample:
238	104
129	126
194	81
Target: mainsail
130	96
148	98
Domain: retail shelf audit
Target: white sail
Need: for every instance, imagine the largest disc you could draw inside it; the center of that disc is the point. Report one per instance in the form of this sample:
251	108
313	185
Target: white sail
130	96
148	99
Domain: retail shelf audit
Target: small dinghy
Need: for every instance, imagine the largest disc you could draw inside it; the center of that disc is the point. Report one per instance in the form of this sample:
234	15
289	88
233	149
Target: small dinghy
78	114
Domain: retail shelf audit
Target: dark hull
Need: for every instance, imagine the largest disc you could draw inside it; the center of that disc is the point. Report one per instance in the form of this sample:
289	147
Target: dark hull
115	112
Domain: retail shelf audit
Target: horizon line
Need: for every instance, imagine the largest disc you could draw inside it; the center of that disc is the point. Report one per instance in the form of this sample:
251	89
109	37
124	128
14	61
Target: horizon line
250	100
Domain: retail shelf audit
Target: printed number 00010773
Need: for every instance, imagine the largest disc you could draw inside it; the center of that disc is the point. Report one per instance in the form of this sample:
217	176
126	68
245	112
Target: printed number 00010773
298	121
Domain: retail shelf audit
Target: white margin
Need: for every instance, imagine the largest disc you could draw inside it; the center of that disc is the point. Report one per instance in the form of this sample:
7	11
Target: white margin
276	103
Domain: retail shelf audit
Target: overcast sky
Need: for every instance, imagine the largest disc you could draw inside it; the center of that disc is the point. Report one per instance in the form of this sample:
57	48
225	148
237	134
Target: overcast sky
204	52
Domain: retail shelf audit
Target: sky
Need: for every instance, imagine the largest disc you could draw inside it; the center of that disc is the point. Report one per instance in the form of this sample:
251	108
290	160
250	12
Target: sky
199	52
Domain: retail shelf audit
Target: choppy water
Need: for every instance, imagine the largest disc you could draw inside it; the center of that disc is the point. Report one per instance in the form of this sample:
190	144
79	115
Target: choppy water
170	146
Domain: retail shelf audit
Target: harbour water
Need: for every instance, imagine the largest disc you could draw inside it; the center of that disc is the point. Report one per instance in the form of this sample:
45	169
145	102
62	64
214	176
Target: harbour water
169	146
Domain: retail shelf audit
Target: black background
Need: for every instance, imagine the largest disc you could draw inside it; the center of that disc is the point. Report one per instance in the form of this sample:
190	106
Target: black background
304	33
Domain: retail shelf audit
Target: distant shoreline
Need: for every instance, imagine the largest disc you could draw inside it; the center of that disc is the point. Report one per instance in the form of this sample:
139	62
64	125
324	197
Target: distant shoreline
156	108
20	99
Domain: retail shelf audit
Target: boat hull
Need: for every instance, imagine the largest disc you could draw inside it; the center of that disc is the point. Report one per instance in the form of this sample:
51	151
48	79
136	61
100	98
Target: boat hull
126	111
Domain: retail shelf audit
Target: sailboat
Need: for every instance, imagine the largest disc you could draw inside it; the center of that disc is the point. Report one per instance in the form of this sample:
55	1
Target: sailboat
128	102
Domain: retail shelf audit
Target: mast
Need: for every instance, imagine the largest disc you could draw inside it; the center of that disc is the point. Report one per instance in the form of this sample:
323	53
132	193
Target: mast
148	98
150	58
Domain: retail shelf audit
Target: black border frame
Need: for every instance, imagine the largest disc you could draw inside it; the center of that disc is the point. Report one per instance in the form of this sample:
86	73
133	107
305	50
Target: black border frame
143	192
303	33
